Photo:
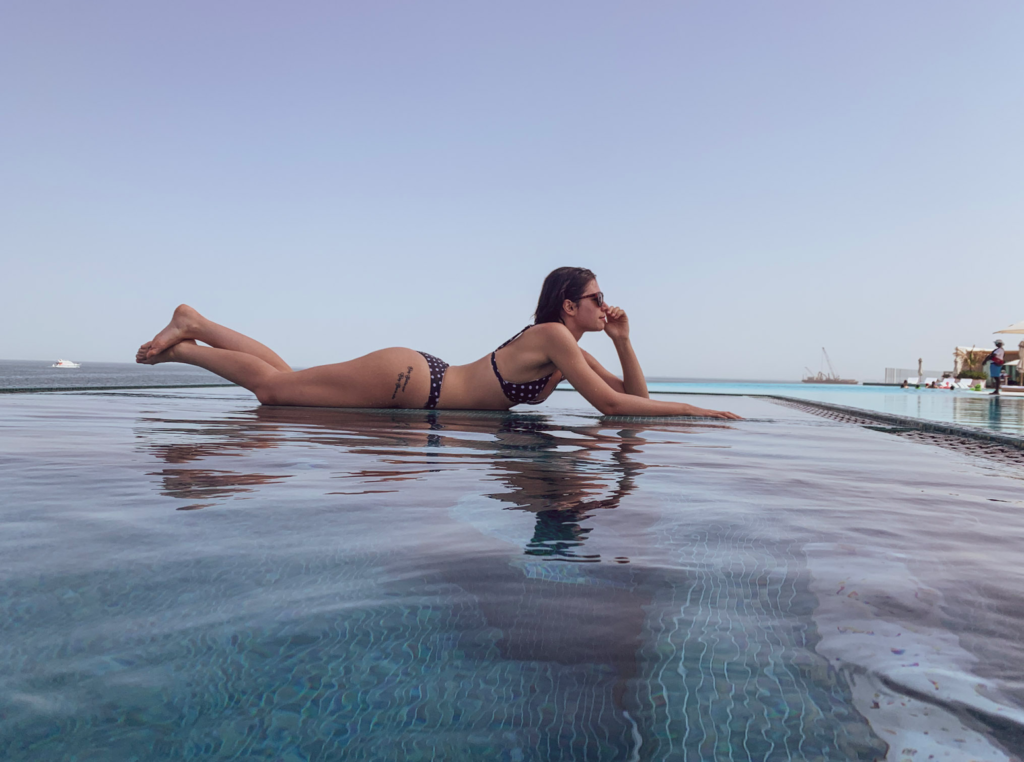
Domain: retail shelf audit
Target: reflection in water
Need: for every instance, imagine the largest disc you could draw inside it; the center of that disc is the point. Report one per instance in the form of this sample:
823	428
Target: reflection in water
558	533
577	650
205	483
1004	414
527	587
561	473
582	638
530	587
996	413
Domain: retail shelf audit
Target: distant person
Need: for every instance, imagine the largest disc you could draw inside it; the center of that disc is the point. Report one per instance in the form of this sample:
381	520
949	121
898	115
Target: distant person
905	384
570	305
995	370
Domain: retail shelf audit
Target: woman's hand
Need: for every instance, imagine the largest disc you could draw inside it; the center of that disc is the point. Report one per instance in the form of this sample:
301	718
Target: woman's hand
617	324
719	414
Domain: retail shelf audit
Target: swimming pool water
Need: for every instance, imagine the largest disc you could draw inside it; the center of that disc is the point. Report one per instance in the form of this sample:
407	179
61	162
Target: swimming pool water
189	575
1004	414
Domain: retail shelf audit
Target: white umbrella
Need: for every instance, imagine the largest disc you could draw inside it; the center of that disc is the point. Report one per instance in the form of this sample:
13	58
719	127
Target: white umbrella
1015	328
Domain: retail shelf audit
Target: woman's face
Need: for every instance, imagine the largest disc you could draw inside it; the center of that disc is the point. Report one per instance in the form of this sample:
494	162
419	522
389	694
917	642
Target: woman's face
589	315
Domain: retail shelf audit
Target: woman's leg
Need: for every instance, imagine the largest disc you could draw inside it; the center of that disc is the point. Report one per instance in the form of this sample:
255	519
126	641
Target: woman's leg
240	368
186	323
396	377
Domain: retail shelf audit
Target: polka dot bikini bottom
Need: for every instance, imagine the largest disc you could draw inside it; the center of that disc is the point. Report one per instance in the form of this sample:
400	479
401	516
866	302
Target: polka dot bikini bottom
437	369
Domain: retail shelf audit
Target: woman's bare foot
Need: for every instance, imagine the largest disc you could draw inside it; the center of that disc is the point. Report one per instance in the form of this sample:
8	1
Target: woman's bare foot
145	356
183	322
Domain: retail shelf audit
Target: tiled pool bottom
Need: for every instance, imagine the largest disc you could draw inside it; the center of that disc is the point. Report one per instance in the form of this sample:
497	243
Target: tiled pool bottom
186	575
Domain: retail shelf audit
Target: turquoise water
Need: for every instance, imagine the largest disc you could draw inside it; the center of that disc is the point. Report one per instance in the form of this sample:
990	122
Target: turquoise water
1003	414
189	575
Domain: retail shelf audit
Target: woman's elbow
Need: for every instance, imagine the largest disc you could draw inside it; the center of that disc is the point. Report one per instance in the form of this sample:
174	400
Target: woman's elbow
611	406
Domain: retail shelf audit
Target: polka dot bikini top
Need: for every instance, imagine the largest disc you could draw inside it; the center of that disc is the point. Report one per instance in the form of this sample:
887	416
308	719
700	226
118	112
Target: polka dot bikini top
526	392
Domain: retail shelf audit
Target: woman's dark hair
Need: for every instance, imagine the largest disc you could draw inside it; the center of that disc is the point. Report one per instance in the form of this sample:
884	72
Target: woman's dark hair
561	284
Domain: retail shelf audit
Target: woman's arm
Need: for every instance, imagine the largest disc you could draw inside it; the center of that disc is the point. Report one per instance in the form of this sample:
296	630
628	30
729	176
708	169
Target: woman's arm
617	328
606	375
616	383
632	376
567	356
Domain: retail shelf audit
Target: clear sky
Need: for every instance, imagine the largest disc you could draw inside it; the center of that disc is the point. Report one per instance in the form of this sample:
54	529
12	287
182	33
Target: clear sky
750	180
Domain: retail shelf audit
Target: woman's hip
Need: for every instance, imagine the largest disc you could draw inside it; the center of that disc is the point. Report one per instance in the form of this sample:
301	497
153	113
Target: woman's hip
396	377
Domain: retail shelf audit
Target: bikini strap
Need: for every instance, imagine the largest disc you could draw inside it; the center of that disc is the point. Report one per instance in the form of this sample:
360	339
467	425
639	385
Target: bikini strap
514	392
513	338
494	362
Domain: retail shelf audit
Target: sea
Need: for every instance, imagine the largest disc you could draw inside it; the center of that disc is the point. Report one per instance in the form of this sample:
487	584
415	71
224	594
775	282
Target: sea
35	375
185	574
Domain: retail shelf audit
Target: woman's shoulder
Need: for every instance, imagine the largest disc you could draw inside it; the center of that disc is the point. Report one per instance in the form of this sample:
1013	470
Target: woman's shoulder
549	335
550	331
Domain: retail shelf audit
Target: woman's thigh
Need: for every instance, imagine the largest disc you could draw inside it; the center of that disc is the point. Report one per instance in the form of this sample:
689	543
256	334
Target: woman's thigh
396	377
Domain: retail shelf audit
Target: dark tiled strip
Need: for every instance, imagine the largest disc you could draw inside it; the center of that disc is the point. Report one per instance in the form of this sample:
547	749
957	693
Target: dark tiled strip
970	432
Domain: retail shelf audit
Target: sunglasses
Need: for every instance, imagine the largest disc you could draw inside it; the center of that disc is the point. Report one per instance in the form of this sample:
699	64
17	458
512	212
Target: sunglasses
597	297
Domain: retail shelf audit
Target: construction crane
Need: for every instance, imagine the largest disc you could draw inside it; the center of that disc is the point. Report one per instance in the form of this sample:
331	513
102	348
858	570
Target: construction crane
825	378
828	361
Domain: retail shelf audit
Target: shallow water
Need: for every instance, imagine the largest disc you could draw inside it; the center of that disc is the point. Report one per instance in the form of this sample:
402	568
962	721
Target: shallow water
966	408
186	574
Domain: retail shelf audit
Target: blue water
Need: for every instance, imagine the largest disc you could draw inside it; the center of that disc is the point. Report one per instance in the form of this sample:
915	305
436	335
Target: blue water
1003	414
188	575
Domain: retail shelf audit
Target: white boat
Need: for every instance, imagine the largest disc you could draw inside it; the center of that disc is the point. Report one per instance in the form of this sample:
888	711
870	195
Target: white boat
66	364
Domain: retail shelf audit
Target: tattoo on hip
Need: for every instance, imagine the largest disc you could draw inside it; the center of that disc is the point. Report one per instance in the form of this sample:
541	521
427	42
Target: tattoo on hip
402	381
